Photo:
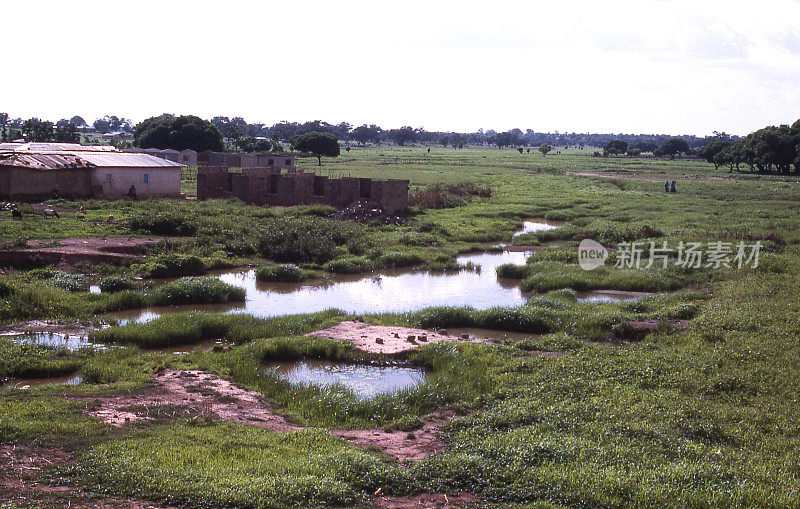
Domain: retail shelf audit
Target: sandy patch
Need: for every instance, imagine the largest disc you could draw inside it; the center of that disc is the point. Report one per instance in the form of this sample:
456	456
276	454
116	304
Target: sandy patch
385	339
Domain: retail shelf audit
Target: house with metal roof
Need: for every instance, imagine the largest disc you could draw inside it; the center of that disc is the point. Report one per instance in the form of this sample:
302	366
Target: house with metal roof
34	172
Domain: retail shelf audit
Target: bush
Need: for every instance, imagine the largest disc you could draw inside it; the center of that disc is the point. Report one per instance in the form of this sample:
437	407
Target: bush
306	239
399	259
173	265
195	290
113	284
285	273
162	223
354	265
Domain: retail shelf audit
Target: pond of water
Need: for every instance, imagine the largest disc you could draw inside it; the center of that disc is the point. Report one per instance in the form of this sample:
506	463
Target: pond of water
364	380
52	339
28	383
391	291
538	225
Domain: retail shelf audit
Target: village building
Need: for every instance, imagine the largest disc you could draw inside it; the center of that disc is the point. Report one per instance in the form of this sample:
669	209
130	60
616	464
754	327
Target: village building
37	171
188	157
270	187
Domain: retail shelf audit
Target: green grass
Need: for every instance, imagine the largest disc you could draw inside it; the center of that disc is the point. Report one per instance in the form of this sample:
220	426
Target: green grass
700	416
237	466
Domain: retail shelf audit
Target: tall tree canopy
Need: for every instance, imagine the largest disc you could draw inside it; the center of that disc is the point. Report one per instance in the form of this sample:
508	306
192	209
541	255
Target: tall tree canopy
403	135
317	143
178	133
615	147
672	147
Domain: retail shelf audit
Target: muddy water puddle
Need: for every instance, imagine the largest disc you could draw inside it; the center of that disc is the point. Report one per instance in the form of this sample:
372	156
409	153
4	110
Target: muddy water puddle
534	225
364	380
29	383
489	334
52	340
598	296
391	291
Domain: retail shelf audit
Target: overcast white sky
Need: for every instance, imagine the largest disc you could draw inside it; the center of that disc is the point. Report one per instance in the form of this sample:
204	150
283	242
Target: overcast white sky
639	66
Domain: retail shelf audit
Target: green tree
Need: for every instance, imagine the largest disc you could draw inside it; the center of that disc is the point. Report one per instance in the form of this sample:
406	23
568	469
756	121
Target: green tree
710	151
35	129
67	133
672	147
615	147
364	134
178	133
544	148
506	139
3	125
402	136
317	143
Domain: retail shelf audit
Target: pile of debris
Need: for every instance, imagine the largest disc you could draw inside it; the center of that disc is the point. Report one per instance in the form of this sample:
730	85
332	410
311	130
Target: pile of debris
365	211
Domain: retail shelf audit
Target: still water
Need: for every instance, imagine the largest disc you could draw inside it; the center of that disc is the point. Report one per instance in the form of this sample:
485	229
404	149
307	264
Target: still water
363	379
392	291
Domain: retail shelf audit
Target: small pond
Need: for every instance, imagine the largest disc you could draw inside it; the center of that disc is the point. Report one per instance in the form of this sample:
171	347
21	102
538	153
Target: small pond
364	380
28	383
609	296
52	340
539	225
390	291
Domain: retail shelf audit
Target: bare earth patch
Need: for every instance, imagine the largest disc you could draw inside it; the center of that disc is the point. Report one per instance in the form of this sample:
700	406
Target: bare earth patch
427	501
199	393
385	339
83	250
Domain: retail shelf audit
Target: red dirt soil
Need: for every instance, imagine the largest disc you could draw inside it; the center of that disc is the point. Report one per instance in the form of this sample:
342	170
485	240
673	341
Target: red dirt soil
206	394
72	251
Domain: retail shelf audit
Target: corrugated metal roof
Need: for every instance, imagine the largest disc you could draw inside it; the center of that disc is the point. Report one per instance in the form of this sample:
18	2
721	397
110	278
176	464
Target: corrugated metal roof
63	147
45	161
126	160
53	161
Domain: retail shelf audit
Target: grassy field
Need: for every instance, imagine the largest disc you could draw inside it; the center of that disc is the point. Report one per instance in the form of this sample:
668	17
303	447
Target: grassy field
700	410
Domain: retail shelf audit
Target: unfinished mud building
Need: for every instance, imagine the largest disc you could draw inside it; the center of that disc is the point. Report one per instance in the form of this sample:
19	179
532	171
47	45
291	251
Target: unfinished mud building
270	187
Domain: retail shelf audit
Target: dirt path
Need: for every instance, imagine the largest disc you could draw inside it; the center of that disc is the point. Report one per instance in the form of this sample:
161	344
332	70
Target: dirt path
385	339
71	251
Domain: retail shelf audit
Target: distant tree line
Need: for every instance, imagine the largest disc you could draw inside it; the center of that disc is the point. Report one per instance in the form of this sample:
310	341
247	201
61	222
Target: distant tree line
771	149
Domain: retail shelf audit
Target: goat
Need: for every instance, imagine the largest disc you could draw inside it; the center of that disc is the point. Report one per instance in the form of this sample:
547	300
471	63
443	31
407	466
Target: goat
17	214
50	213
110	218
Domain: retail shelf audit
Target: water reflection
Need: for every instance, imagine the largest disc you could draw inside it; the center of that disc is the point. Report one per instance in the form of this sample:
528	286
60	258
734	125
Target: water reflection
392	291
52	340
538	225
28	383
364	380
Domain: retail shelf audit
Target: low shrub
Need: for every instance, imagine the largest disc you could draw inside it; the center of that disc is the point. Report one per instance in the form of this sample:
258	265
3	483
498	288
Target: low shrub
285	273
195	290
174	265
113	284
353	265
162	223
